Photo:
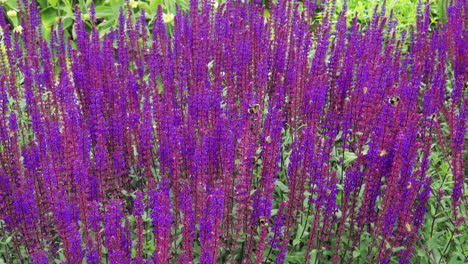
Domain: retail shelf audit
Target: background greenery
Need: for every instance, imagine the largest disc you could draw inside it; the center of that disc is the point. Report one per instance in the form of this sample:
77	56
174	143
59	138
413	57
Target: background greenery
441	241
107	11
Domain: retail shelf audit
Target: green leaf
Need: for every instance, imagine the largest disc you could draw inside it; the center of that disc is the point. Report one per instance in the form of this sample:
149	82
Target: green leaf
274	212
433	243
313	255
22	103
46	32
300	230
52	2
297	257
83	6
12	4
441	219
153	6
48	16
143	5
6	240
456	258
420	252
117	4
68	4
338	137
396	249
356	254
104	11
105	26
67	21
296	241
65	10
282	186
349	157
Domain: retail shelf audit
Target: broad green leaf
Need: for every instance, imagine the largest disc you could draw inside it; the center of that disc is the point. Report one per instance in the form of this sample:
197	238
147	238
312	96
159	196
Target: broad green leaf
116	5
106	26
67	21
48	16
313	256
274	212
297	257
104	11
349	157
421	252
153	6
52	2
83	6
433	243
282	186
356	254
68	4
144	5
300	230
296	241
42	3
441	219
12	4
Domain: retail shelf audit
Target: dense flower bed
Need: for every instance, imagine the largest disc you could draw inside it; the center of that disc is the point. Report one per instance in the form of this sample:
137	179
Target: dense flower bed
238	138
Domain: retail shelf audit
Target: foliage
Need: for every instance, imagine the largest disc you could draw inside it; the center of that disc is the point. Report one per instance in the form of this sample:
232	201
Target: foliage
404	11
232	134
107	12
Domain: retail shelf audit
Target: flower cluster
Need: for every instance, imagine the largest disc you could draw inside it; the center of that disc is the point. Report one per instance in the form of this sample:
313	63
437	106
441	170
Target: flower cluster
236	138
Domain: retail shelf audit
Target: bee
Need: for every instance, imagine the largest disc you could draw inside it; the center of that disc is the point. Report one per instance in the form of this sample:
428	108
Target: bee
263	222
254	109
394	100
419	135
256	159
466	86
328	192
433	116
409	185
268	139
383	153
408	227
99	20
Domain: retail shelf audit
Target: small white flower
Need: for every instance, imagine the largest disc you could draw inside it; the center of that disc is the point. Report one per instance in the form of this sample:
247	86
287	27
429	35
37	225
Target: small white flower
168	18
215	4
12	13
133	4
18	29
